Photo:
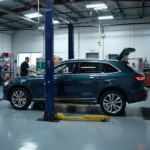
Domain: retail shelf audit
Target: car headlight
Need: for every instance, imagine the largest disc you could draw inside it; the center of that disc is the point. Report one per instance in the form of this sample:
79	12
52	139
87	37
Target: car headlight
6	83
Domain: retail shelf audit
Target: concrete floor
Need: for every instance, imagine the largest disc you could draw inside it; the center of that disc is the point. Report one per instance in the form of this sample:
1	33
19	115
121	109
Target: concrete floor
19	130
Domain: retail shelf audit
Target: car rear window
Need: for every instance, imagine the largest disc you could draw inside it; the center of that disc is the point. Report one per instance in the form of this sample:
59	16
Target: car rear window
107	68
131	68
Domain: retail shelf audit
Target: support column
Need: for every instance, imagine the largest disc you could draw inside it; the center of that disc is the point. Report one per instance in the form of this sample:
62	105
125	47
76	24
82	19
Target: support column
49	61
70	41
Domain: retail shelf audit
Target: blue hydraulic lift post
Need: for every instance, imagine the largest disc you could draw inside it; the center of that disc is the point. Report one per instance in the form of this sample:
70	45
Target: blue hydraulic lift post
49	114
70	41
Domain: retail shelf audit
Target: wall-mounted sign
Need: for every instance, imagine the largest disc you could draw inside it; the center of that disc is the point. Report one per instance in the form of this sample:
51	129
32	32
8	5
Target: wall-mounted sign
92	50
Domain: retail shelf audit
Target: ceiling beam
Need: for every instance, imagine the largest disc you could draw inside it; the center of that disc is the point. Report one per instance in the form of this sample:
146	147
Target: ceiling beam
6	10
116	21
58	14
91	12
78	7
142	9
23	3
121	11
74	8
27	5
111	9
112	13
17	10
8	26
61	2
14	21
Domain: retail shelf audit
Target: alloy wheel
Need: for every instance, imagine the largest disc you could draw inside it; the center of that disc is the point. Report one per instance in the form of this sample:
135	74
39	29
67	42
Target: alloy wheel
19	98
112	103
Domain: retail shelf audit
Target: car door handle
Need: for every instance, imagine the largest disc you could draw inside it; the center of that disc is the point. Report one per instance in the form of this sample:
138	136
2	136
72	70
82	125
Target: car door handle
99	78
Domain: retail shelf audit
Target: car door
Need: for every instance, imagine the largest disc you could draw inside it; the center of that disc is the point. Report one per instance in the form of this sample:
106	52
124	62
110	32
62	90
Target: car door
37	86
65	84
91	80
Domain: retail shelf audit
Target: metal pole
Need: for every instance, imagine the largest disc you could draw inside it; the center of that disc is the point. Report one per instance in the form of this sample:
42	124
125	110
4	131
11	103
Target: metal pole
70	41
49	59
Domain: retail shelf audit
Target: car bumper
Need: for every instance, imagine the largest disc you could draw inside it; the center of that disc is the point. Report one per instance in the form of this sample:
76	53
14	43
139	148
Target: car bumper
140	96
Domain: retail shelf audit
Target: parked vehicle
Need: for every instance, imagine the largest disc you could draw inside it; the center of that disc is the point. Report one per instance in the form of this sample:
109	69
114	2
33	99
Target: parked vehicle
109	83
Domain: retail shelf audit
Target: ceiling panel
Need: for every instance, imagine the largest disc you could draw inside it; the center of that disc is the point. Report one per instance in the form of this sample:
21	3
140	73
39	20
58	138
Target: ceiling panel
15	25
132	12
26	22
10	4
62	8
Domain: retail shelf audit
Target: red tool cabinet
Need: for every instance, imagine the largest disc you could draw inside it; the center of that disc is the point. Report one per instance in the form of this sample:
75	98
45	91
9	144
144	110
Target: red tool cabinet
147	79
146	72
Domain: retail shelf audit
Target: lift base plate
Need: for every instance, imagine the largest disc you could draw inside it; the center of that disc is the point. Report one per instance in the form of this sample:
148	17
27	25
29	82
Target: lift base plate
49	118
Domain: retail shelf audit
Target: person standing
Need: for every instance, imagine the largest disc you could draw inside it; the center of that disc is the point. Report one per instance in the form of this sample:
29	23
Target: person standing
25	69
55	60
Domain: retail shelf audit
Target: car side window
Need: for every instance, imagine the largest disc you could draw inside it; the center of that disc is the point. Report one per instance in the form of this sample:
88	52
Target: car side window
107	68
67	68
89	67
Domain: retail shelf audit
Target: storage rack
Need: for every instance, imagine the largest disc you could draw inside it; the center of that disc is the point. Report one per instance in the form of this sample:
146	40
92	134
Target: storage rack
7	66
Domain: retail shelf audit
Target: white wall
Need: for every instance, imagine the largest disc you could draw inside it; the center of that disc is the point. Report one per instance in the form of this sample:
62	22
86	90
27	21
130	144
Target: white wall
33	41
89	38
5	43
61	43
27	41
136	36
86	39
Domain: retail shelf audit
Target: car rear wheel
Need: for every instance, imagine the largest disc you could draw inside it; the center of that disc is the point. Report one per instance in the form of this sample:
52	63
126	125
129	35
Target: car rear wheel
20	99
113	103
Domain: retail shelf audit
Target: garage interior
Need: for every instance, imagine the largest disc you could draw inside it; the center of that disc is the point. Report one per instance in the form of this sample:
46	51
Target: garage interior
98	34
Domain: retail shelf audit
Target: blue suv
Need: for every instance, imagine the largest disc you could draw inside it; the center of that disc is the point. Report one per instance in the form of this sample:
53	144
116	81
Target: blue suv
109	83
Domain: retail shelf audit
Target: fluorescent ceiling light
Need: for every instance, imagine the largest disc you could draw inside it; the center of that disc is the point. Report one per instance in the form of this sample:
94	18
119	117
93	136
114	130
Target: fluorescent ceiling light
97	6
105	17
41	28
101	8
33	15
55	22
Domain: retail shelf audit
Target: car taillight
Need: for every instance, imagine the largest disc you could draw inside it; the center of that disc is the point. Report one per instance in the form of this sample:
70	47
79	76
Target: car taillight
139	78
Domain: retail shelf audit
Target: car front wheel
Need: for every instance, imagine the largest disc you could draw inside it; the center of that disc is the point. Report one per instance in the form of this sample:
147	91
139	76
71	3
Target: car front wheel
113	103
20	99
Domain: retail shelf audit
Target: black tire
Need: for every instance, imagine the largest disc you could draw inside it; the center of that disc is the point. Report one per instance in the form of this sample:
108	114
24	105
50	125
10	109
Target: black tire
26	96
122	103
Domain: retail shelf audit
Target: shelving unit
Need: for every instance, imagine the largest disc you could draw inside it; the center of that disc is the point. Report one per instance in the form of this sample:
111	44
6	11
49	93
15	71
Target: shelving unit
7	66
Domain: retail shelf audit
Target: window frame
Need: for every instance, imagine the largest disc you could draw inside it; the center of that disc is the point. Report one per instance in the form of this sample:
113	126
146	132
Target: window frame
90	62
24	58
76	65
